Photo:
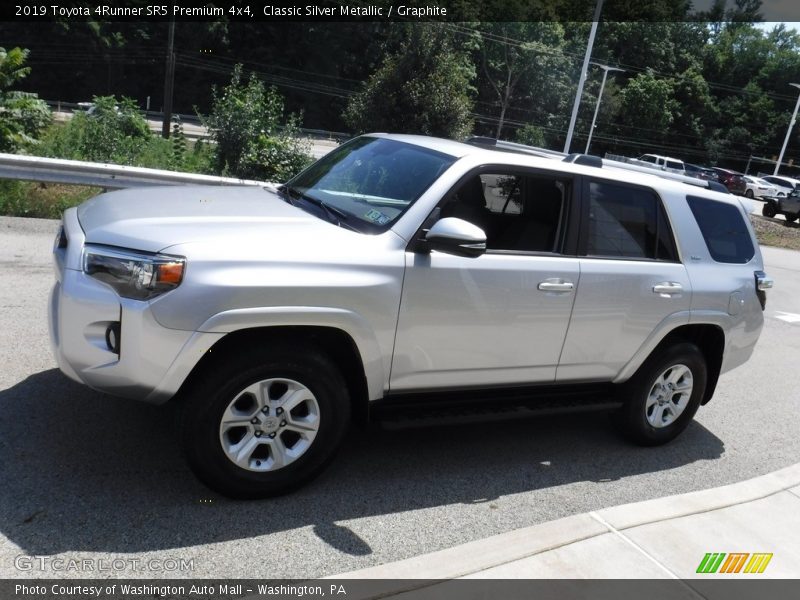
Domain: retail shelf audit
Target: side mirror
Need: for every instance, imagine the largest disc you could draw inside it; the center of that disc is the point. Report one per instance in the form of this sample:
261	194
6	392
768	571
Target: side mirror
456	236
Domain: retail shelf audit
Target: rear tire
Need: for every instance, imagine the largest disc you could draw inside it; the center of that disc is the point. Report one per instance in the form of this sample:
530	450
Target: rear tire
238	439
790	218
749	194
663	396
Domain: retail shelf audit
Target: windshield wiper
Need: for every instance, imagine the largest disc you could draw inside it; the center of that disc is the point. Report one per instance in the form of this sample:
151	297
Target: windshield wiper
335	215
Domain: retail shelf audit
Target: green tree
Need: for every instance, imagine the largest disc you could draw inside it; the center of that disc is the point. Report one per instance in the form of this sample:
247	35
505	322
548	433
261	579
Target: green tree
22	115
523	64
531	135
648	101
424	87
254	138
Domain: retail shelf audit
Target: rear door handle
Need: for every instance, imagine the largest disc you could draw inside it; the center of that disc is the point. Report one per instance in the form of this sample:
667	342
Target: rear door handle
556	285
668	288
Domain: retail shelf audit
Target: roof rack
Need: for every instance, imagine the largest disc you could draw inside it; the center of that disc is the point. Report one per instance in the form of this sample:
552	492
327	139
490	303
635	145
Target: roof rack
590	160
495	144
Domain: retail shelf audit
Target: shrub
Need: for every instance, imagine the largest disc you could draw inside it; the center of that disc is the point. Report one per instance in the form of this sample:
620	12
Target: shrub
41	200
114	131
254	139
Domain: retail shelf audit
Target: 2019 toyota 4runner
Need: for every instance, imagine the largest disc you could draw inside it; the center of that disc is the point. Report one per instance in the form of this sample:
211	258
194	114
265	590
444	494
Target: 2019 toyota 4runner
402	269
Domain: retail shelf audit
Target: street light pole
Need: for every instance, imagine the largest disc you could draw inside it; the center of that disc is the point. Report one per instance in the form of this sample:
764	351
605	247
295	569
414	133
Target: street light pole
606	69
582	78
788	131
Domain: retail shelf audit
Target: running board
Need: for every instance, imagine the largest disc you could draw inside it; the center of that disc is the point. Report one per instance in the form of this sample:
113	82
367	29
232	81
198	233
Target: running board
435	408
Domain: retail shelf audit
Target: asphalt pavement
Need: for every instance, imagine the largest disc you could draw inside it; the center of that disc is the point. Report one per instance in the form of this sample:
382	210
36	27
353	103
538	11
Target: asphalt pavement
740	531
85	475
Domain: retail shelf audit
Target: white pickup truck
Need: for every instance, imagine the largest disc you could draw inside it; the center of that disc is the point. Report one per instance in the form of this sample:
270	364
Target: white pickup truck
664	162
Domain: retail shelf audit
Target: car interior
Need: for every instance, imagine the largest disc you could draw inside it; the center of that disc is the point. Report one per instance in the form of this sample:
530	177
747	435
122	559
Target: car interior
517	212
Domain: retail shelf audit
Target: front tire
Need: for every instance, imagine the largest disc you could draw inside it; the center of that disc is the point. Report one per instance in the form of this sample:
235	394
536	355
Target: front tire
663	396
749	194
263	423
768	210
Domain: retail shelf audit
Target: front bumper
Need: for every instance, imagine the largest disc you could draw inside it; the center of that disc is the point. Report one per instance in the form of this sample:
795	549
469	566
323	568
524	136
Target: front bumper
153	361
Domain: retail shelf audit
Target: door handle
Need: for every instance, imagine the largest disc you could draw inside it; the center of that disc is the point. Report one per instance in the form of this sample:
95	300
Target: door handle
556	285
668	288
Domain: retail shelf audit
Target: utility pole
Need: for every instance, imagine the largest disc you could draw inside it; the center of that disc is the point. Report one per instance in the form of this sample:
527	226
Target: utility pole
582	79
169	80
788	131
606	69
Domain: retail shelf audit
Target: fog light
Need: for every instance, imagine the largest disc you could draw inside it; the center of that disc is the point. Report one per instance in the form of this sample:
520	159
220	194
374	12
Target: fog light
112	337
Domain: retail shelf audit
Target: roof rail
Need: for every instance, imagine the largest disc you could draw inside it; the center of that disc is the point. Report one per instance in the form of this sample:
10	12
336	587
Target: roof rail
479	140
590	160
502	145
616	164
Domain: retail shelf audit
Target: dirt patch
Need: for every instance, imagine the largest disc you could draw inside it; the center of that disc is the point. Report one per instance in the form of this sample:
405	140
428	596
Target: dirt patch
776	232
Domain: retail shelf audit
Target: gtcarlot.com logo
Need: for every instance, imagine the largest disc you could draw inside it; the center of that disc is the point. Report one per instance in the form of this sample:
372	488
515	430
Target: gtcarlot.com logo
93	565
734	562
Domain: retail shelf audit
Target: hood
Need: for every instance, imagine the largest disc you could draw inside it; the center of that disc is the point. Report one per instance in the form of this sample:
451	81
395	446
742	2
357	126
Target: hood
153	218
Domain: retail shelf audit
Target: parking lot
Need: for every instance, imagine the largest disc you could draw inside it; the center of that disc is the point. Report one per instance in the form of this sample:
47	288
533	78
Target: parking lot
87	476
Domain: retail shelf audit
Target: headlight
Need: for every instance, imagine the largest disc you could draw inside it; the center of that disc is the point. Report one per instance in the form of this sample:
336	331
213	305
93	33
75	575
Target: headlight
132	274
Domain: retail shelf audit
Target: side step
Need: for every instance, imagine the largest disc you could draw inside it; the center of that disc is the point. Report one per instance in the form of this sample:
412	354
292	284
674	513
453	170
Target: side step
434	408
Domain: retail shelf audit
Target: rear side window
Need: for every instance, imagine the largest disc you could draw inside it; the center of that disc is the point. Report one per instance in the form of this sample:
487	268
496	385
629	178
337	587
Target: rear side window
627	222
724	230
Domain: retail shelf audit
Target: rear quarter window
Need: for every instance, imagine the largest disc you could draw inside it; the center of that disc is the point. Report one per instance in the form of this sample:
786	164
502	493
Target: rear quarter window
724	230
626	221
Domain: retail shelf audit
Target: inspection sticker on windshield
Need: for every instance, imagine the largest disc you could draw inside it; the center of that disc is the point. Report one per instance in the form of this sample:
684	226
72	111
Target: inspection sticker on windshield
377	216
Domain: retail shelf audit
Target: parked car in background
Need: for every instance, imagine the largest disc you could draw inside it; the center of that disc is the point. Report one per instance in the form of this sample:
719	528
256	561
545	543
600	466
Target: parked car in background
733	180
758	188
664	162
784	184
701	172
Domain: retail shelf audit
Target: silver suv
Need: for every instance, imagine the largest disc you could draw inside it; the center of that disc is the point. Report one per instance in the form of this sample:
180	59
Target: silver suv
403	270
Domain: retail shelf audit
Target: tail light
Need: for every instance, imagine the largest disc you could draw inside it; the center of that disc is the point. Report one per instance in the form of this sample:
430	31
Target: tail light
763	283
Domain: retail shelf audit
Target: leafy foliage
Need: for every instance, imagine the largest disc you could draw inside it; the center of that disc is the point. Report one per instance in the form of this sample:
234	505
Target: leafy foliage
254	139
531	135
40	200
705	87
112	131
523	65
22	115
424	87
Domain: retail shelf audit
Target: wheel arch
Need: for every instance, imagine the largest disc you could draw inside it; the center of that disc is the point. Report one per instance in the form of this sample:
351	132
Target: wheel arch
336	343
710	339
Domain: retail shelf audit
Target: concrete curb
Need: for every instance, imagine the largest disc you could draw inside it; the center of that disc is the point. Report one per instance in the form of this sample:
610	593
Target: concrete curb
480	555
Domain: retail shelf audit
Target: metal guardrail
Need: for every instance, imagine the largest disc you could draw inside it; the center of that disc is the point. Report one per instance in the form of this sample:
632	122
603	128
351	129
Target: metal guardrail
75	172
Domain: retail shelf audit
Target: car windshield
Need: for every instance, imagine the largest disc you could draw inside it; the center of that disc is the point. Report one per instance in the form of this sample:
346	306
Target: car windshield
367	183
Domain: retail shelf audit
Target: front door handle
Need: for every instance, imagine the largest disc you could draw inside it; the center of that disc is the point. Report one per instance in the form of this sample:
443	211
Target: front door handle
556	285
668	289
